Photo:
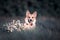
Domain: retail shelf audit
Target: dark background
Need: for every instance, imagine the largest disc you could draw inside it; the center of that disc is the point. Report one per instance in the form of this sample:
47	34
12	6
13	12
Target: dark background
19	7
48	19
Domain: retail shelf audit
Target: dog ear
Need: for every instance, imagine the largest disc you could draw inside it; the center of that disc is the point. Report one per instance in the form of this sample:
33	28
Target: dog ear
35	13
27	13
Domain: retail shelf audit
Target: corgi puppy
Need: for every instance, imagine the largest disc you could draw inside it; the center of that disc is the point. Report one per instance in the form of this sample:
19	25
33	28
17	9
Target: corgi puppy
18	25
14	25
11	26
30	19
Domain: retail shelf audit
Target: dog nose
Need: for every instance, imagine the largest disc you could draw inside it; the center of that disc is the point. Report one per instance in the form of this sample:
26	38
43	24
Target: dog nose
29	20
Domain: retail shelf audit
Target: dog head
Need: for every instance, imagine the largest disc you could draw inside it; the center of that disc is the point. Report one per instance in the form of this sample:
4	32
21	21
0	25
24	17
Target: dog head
30	18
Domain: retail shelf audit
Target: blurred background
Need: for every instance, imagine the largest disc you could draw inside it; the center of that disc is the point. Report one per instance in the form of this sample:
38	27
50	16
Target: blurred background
19	7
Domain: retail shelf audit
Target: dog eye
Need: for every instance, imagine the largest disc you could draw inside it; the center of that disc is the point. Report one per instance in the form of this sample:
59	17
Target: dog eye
32	17
28	17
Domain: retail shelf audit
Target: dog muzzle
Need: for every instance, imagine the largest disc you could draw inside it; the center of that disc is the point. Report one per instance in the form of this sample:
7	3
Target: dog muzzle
29	20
